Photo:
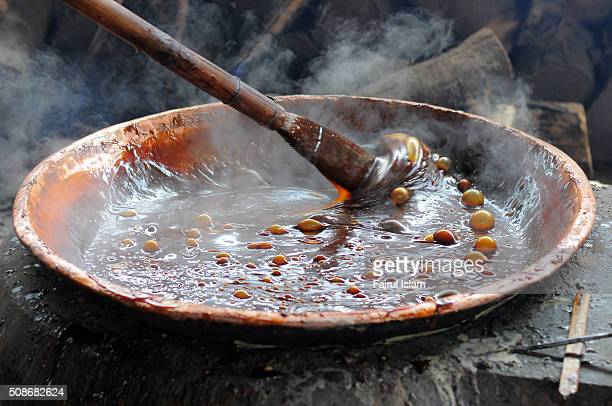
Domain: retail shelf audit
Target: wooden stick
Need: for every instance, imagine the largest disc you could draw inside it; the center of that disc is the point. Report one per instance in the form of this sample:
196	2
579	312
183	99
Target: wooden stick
284	18
568	384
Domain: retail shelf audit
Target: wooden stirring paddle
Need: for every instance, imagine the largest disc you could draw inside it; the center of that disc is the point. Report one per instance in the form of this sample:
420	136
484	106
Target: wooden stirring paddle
338	158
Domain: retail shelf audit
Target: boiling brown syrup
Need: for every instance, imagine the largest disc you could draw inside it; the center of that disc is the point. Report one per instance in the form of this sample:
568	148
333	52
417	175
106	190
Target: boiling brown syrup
330	270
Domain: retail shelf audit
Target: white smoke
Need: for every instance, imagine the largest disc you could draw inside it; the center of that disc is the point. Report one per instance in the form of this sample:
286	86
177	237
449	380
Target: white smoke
355	58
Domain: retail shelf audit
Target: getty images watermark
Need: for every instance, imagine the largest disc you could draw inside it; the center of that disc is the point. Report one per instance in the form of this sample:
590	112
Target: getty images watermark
402	267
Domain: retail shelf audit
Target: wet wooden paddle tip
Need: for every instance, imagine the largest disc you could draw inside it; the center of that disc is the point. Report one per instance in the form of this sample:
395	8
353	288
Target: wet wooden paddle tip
335	156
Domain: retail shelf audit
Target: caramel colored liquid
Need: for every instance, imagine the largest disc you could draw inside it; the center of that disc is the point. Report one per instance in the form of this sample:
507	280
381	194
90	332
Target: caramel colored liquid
351	246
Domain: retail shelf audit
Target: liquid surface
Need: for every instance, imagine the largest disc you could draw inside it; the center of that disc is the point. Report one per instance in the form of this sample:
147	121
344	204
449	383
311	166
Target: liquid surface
336	269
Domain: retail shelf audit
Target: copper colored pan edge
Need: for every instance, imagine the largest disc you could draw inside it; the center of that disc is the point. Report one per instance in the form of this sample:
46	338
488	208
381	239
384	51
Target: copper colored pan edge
581	227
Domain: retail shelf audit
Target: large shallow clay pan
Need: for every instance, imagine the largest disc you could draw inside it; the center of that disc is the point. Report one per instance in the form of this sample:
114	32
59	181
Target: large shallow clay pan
65	201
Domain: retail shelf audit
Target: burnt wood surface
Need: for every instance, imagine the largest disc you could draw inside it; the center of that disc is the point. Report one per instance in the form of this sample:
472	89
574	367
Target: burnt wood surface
51	332
565	126
453	79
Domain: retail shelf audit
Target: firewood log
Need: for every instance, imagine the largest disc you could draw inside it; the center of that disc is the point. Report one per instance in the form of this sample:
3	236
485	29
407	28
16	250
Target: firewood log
562	124
452	79
565	126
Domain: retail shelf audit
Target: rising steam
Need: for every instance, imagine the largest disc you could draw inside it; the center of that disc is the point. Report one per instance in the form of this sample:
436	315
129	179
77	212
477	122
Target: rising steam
48	101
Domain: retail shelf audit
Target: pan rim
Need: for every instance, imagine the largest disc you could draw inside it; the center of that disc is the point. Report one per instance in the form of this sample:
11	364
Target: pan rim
575	235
